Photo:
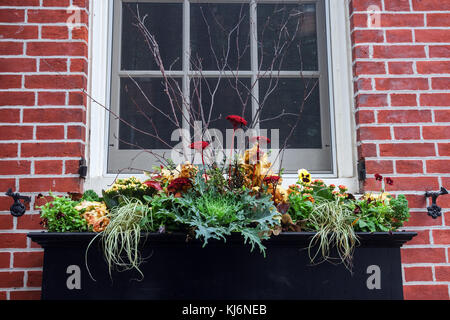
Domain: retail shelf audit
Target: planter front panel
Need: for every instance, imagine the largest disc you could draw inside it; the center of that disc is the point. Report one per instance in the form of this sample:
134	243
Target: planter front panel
176	270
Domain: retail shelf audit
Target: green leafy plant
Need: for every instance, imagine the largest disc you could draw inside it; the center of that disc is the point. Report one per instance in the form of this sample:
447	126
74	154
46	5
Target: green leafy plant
60	215
90	195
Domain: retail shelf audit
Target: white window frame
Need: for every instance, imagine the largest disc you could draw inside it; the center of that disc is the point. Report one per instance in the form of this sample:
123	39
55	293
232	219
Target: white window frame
340	87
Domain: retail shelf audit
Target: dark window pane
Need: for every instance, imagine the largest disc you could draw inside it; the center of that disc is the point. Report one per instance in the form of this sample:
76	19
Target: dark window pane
232	98
138	113
288	98
136	54
220	31
287	37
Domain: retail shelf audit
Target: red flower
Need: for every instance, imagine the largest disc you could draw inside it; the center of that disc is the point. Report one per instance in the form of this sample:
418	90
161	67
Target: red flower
272	179
389	181
199	145
378	177
153	184
259	138
236	121
178	184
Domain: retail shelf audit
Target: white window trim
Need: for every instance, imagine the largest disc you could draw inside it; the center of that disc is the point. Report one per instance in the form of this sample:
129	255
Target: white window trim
341	93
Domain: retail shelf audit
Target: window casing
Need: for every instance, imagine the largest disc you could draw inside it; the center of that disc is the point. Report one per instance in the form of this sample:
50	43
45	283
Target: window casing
314	152
340	98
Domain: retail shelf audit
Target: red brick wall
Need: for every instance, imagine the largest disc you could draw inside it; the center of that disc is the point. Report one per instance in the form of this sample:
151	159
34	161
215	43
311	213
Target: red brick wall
43	66
401	81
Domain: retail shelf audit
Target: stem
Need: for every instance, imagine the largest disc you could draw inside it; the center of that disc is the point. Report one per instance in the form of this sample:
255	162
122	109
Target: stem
204	168
231	156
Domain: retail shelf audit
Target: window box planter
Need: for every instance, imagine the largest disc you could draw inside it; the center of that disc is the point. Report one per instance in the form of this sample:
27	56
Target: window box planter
179	270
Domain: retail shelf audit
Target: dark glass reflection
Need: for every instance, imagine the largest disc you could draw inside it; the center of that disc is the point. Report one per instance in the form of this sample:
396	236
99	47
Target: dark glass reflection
165	22
220	36
288	98
287	37
138	113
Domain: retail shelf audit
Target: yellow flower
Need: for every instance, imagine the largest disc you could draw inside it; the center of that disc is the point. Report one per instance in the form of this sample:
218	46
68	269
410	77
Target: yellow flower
377	196
304	176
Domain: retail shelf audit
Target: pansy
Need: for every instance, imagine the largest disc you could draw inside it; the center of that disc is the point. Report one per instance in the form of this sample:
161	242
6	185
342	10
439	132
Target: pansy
304	176
389	181
378	177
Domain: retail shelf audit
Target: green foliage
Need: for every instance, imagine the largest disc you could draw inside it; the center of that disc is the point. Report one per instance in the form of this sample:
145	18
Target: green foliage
300	207
90	195
125	188
401	211
60	215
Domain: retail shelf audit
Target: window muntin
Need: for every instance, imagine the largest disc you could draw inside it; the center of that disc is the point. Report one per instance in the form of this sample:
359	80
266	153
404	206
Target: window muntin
310	144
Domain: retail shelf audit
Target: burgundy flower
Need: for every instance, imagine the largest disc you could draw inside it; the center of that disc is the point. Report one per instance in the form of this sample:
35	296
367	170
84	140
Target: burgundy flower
389	181
199	145
236	121
178	184
153	184
272	179
259	138
378	177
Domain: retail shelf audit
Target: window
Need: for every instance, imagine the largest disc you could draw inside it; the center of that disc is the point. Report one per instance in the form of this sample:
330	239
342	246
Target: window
191	34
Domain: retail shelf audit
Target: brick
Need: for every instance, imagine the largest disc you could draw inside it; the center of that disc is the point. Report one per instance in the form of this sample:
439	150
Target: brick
53	65
16	133
404	116
53	115
48	167
6	222
422	238
76	133
10	82
2	295
28	259
17	98
425	292
80	33
12	15
407	133
359	20
360	52
394	36
30	222
55	32
400	68
14	167
371	100
51	98
72	166
402	20
363	67
422	219
442	273
56	3
5	184
25	295
364	36
9	115
77	99
362	84
363	5
401	84
397	5
431	5
50	132
440	83
442	115
423	255
11	279
367	150
436	132
8	150
407	150
56	49
55	82
18	3
78	65
403	100
379	166
5	260
34	279
50	184
430	67
413	183
441	236
67	149
11	48
396	52
52	16
438	19
435	99
409	166
9	65
416	201
418	274
439	51
18	32
13	240
444	149
364	116
374	133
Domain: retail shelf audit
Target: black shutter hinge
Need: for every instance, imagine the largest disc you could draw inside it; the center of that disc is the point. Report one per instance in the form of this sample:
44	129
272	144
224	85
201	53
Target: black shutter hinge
362	170
18	208
82	171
